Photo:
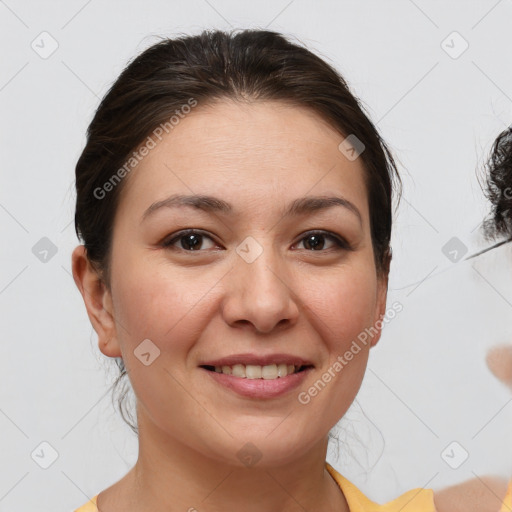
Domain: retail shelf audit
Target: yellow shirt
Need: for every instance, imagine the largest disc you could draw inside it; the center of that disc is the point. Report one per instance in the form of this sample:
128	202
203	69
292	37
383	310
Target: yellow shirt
507	502
90	506
415	500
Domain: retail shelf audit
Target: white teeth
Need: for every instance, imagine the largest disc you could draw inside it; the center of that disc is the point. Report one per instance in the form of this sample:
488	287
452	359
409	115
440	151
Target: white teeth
282	370
269	371
253	371
238	370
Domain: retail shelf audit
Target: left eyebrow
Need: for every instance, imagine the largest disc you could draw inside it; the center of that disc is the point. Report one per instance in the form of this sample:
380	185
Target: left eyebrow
300	206
311	204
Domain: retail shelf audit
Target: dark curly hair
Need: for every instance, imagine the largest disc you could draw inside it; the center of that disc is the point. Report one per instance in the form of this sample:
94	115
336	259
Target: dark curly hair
498	188
249	65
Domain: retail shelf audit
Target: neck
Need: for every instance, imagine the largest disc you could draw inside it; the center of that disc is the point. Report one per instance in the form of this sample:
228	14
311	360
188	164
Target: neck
170	475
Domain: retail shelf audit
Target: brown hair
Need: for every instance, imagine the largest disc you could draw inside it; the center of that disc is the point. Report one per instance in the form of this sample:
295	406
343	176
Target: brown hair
243	65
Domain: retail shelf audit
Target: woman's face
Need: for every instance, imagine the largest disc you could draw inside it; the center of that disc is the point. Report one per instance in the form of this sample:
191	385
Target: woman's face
252	285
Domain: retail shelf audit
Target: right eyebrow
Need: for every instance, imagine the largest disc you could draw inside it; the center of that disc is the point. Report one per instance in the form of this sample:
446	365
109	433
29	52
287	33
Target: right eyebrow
299	206
201	202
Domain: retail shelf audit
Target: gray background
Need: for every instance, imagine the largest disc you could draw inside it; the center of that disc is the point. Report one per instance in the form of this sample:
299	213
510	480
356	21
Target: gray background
438	106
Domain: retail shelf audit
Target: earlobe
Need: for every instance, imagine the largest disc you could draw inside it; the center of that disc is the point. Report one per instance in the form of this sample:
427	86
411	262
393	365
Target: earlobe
98	301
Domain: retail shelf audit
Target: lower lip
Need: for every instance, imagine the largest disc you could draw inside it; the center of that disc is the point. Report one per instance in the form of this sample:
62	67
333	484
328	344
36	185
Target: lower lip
260	388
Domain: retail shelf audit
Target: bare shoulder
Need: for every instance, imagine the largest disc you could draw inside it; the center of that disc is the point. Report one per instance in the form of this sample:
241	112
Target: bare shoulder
475	495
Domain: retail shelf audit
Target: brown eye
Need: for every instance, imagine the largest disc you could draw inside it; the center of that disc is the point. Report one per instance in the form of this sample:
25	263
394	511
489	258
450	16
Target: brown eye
189	240
316	241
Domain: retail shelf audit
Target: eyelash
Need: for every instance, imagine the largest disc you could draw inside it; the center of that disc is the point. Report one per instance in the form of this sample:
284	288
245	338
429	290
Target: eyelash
341	243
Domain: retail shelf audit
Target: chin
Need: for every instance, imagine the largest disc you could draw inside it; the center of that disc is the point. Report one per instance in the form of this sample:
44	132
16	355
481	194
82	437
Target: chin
270	447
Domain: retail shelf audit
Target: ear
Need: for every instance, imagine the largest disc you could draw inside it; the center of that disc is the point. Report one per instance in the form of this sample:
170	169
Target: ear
380	306
98	302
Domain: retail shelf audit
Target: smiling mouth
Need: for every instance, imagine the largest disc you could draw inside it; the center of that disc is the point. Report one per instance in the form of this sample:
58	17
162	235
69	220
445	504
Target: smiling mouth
267	372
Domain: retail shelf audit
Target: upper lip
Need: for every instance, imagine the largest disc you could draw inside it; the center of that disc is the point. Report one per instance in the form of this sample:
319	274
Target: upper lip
258	359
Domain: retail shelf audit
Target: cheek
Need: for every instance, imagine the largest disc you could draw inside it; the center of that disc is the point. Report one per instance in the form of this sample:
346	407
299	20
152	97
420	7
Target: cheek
344	306
155	303
169	310
341	315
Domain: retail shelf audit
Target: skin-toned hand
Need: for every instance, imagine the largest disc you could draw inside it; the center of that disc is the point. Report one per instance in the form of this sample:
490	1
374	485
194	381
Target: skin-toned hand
499	360
487	493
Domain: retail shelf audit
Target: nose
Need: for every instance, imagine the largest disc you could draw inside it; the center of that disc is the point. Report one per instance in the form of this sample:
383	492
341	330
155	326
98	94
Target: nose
259	295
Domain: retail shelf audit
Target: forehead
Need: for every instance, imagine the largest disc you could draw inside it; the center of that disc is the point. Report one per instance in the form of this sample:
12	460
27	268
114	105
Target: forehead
247	152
